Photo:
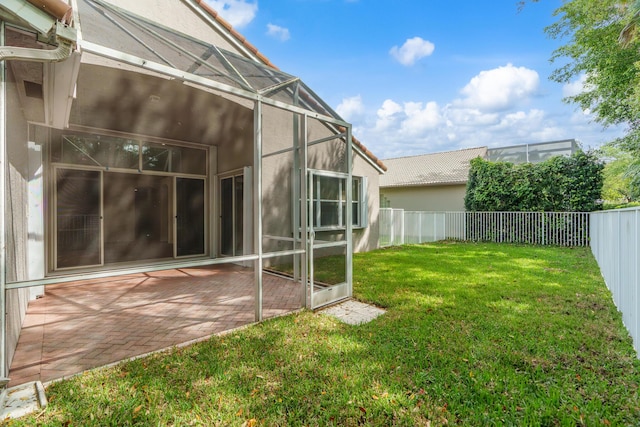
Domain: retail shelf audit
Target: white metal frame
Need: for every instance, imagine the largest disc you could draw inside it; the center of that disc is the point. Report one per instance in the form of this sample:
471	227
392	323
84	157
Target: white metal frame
3	248
323	296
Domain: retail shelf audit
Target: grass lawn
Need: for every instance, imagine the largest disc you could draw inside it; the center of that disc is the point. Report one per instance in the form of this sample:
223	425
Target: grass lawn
475	334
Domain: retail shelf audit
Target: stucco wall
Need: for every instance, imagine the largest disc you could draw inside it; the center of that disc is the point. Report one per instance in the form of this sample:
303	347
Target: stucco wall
176	15
366	239
431	198
16	215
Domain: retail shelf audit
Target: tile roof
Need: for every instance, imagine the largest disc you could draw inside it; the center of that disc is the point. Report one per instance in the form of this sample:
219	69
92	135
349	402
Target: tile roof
449	167
267	62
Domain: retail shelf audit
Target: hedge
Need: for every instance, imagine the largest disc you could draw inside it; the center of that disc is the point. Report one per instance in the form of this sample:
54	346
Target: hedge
560	184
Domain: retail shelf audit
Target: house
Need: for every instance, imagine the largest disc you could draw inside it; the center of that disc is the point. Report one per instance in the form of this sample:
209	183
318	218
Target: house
138	138
428	182
437	181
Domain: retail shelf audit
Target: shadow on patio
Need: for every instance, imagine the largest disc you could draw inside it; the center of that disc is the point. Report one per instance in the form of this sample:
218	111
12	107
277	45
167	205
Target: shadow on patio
87	324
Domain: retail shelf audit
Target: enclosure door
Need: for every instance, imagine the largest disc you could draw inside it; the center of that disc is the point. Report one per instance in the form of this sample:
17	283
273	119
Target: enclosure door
327	237
190	217
78	218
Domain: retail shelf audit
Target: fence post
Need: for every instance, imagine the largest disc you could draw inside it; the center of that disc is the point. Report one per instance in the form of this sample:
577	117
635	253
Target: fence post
402	228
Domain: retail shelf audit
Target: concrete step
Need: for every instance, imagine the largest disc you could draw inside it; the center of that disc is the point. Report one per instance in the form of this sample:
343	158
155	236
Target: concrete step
21	400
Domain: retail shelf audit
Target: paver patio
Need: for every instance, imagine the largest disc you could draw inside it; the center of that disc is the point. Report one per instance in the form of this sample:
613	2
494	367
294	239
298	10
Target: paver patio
82	325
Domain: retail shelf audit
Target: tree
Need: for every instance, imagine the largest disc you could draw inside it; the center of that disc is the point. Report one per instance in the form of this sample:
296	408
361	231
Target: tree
612	78
619	184
604	47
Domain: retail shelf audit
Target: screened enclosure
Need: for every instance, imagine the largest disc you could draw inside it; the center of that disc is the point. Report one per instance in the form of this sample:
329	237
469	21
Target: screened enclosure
533	153
173	153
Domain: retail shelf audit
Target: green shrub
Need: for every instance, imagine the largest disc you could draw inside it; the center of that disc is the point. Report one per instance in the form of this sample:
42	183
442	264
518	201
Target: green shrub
560	184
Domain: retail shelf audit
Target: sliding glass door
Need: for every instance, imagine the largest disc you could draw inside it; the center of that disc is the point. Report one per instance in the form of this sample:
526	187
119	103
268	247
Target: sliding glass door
190	216
78	218
121	200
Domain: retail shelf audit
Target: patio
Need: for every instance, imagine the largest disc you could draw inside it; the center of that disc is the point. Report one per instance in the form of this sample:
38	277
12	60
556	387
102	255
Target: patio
87	324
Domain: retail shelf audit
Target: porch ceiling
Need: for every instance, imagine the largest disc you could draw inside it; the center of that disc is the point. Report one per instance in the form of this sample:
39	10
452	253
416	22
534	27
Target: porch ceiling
134	103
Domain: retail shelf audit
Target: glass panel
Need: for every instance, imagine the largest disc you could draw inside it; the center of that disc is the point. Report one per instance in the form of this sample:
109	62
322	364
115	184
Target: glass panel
329	266
239	214
77	218
156	158
356	198
96	151
164	158
355	194
226	216
190	160
329	214
190	216
329	188
138	218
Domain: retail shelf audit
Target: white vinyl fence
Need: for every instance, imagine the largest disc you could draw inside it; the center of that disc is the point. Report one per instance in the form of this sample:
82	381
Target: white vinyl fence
615	243
398	227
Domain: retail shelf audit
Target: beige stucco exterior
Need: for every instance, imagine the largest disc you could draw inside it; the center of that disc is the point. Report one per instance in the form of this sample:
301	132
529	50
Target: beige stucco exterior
438	198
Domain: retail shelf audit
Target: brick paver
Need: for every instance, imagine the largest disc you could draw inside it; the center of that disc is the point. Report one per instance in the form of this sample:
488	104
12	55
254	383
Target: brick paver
82	325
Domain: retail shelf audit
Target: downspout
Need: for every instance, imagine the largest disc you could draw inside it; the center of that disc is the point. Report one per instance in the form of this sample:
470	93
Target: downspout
62	52
60	31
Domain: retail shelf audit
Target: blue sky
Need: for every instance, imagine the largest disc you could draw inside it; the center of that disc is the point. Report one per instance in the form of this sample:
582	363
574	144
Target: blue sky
423	76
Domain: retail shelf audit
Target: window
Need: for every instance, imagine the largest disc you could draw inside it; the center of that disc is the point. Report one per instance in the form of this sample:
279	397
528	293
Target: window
330	202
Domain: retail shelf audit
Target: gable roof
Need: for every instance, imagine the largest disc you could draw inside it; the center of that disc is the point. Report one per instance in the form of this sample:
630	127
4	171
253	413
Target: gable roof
446	168
243	41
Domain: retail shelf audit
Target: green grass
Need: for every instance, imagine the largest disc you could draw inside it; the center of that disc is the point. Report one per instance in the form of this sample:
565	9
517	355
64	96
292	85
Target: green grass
474	334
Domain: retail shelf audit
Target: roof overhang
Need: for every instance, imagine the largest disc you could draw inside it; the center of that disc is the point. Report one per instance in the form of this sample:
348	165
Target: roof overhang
28	15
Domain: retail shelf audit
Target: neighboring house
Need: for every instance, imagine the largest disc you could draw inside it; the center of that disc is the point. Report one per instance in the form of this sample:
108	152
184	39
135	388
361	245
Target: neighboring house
428	182
437	182
140	137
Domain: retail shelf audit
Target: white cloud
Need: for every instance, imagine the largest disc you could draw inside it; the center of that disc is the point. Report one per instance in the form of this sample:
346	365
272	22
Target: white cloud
278	32
500	88
237	12
470	117
418	120
410	119
576	87
350	108
387	115
412	50
410	127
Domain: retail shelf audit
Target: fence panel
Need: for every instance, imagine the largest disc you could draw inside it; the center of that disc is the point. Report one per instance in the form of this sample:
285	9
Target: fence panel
537	228
615	243
391	223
